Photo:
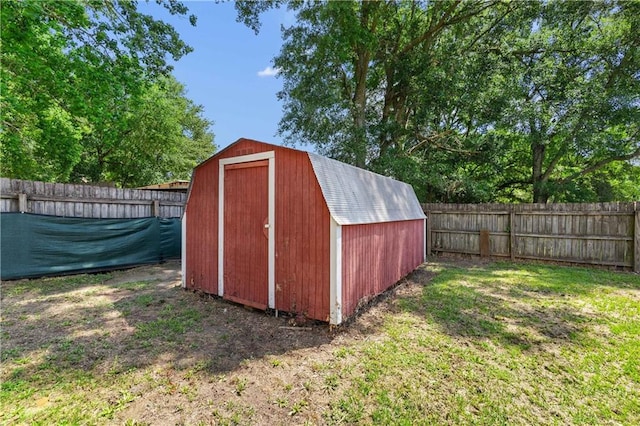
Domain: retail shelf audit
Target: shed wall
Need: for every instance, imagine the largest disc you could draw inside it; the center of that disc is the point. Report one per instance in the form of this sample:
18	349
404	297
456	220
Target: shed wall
201	269
301	230
302	238
376	256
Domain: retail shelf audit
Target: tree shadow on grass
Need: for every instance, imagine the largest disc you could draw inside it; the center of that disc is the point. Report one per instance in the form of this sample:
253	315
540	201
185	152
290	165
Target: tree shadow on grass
183	327
114	326
513	305
72	282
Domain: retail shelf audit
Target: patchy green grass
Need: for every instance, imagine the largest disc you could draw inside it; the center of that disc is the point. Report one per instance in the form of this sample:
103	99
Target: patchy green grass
53	285
492	343
64	371
137	285
504	343
170	324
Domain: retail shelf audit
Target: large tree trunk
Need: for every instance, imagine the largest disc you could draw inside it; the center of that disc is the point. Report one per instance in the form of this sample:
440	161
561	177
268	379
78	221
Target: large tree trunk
359	106
361	69
540	192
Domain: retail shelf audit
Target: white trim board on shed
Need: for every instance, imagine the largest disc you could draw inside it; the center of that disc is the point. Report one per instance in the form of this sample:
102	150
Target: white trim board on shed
271	226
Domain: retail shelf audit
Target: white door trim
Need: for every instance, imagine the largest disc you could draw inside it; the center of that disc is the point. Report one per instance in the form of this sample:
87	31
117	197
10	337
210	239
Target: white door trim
271	244
335	272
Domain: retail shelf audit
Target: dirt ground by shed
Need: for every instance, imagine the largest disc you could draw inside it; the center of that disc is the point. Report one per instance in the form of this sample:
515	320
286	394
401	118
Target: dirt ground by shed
186	357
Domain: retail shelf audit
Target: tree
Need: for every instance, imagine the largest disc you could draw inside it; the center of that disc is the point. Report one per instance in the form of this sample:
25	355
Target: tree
363	81
574	95
73	74
444	94
161	136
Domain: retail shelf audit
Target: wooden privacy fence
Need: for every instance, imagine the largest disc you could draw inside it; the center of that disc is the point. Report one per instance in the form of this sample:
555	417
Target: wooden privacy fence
596	234
71	200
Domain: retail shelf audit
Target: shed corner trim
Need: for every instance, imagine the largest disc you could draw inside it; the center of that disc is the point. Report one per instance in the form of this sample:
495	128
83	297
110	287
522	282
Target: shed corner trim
424	239
335	254
183	260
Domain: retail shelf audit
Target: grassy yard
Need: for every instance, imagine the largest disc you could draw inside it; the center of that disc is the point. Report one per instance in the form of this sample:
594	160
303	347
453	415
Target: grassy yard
455	343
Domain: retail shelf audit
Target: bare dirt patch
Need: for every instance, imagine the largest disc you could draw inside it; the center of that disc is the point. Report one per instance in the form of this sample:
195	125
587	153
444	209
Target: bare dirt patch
180	356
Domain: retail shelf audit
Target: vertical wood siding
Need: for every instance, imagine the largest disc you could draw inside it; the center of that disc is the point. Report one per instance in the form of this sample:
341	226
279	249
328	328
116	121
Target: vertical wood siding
301	231
201	270
302	238
376	256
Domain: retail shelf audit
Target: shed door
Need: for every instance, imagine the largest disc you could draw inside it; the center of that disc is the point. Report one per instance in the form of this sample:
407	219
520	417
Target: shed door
246	211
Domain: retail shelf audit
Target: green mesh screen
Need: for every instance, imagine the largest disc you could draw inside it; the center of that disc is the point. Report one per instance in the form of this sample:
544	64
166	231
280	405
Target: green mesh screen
37	245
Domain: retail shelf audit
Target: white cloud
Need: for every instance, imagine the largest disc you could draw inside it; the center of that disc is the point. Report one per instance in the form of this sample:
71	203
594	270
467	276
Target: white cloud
269	72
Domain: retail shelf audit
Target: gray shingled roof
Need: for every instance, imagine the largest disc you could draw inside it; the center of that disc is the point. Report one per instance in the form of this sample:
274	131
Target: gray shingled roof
356	196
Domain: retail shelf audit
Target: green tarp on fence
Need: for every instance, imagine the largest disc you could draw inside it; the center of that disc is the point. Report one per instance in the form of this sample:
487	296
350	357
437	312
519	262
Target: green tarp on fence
36	245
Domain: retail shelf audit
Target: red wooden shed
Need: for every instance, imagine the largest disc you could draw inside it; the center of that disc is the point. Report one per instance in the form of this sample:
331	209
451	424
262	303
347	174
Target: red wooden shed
275	227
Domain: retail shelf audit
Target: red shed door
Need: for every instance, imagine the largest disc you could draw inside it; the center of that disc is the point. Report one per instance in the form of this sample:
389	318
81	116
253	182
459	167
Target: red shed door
246	209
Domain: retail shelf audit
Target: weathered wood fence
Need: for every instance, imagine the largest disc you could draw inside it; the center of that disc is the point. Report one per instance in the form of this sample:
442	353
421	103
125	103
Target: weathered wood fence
71	200
597	234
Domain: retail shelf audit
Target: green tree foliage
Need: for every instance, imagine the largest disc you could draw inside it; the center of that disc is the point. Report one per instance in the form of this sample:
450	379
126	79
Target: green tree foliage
79	80
467	100
573	79
160	136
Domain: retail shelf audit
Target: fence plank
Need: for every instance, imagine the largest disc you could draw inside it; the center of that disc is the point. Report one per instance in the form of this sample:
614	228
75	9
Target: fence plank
512	235
485	244
22	203
636	239
593	233
72	200
429	237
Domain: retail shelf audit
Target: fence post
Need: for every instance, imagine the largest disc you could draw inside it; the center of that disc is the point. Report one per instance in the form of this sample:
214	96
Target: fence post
428	233
484	243
22	203
155	209
636	238
512	233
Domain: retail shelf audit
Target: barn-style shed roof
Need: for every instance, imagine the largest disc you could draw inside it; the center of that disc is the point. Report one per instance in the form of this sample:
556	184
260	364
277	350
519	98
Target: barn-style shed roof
357	196
354	195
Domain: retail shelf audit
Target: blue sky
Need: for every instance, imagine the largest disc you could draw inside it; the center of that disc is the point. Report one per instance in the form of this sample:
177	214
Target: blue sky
226	71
